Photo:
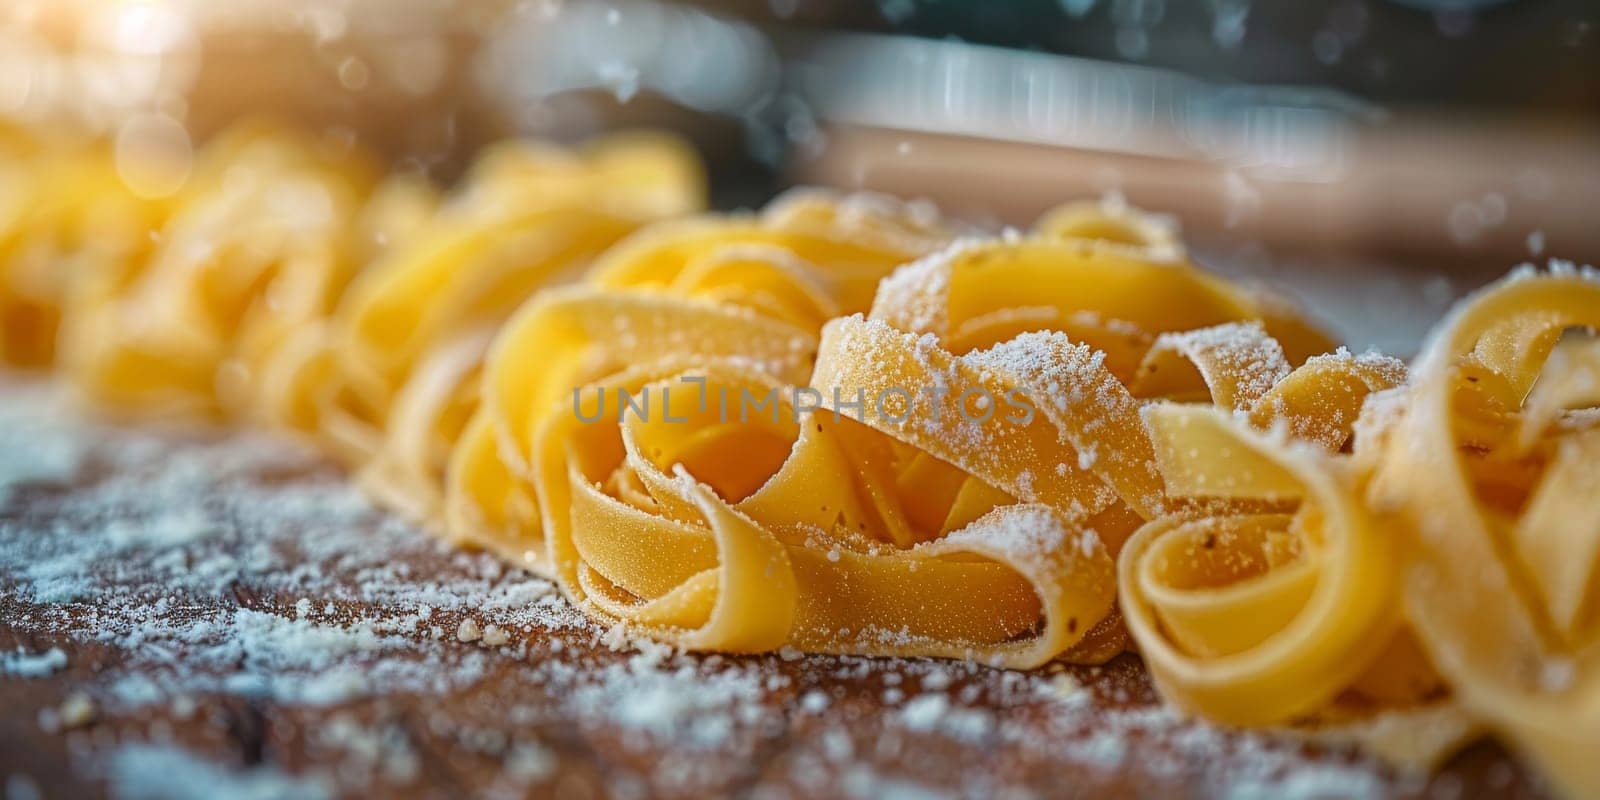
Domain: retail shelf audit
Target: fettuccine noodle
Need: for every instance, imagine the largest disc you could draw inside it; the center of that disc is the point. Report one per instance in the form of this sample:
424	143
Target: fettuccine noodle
844	424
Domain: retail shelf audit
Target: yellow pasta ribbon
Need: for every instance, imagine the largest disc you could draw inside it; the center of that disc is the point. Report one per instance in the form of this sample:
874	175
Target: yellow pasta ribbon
67	225
1490	468
845	424
752	288
903	530
1443	569
256	246
392	377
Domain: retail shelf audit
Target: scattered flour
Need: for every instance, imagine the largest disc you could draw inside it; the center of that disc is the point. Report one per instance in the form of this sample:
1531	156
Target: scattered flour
35	438
32	665
694	709
159	772
238	568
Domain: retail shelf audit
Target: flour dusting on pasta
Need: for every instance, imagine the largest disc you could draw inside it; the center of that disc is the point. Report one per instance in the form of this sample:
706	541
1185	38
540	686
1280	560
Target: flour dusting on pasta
845	425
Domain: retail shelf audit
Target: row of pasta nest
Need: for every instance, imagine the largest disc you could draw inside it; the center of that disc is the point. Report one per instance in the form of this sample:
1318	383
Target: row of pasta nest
844	424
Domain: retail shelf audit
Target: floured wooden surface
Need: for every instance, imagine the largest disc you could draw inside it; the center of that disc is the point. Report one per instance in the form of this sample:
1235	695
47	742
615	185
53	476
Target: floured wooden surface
191	614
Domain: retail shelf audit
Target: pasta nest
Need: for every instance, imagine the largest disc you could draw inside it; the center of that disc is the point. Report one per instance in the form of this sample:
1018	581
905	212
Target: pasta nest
846	424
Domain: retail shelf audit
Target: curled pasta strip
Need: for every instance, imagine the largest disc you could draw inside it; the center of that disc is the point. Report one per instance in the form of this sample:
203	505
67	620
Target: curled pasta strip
1269	595
1106	326
897	528
68	227
1090	462
1490	466
752	289
1111	296
800	539
257	245
1265	615
808	257
528	216
406	345
1465	510
290	383
573	335
1113	221
1281	619
802	261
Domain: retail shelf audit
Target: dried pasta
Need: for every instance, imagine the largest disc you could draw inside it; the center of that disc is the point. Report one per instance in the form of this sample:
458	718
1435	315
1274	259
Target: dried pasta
1443	565
1489	468
845	424
63	212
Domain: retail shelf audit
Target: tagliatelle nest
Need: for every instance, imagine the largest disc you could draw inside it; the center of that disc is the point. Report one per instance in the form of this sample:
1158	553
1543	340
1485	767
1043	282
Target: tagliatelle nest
1049	442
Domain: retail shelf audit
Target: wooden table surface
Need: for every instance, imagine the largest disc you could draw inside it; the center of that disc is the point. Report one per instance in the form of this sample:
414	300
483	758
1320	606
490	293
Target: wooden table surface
194	614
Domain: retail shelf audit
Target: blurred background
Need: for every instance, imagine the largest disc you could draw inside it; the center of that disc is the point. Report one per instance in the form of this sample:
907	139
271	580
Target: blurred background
1380	156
